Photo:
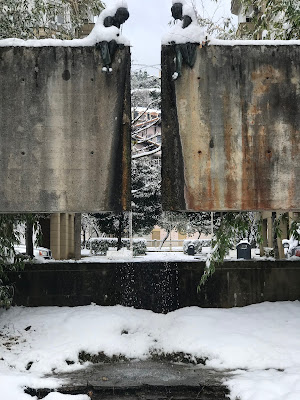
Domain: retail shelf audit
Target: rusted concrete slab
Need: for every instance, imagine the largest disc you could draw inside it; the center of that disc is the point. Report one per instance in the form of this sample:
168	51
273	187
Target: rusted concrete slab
231	129
64	130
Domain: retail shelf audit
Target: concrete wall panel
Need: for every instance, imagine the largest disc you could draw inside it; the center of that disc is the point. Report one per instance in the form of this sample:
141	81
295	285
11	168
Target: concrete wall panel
64	130
231	129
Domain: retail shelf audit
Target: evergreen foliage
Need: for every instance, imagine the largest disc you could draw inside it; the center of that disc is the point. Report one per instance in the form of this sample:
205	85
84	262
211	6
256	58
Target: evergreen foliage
233	227
32	19
146	203
145	90
101	245
145	174
198	222
113	224
220	29
146	196
273	19
9	260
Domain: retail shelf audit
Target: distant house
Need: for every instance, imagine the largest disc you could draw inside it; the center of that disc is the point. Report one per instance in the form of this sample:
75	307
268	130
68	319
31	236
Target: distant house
146	135
245	17
61	22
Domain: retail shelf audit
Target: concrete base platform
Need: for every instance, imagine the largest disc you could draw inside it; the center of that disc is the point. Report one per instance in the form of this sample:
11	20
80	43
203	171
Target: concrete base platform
145	380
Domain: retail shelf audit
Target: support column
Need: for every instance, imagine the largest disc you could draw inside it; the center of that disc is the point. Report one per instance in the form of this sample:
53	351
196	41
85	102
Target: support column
77	236
264	232
270	230
71	236
64	236
284	235
55	235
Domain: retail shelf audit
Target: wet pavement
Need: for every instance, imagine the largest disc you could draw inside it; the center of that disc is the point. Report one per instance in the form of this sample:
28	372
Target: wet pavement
143	380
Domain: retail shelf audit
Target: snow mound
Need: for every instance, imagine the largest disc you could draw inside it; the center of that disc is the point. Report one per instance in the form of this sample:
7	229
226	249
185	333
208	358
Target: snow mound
192	34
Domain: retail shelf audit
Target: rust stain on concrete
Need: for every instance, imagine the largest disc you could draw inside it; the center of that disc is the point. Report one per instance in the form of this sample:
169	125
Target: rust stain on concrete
239	128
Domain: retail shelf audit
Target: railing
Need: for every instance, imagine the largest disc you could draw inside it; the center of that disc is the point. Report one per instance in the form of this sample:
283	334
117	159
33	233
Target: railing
169	245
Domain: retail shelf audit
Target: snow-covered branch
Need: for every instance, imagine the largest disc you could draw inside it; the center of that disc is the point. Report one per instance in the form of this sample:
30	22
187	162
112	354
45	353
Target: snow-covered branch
146	153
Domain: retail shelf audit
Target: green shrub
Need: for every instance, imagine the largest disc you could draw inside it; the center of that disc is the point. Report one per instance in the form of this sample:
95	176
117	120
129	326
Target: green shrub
101	245
198	244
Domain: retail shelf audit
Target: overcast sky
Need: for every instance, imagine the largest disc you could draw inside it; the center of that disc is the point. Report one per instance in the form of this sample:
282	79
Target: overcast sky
149	21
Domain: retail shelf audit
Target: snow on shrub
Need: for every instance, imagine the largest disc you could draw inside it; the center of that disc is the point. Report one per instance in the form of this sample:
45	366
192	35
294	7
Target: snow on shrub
197	243
101	245
269	252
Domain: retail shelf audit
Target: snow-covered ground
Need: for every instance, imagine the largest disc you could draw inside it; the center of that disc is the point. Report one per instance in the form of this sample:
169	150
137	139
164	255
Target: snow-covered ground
163	256
157	256
260	343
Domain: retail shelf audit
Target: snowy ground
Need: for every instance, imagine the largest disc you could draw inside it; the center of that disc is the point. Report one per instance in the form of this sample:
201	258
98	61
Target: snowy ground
261	343
164	256
157	256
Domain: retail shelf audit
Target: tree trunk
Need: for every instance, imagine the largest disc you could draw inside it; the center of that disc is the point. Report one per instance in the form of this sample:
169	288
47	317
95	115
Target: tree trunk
29	238
165	238
275	243
84	237
120	231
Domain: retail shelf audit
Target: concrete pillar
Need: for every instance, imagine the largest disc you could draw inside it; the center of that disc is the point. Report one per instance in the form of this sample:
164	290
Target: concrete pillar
71	236
270	230
64	236
284	235
77	237
264	232
55	235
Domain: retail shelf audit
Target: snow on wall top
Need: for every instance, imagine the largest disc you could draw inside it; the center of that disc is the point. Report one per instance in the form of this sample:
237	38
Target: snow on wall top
217	42
99	33
178	35
192	35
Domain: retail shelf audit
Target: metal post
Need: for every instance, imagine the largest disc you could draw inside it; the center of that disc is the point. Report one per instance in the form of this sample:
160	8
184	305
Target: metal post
171	219
212	224
130	230
77	236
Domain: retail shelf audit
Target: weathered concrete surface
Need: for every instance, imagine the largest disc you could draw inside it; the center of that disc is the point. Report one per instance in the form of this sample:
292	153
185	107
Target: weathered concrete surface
157	286
64	130
231	138
143	380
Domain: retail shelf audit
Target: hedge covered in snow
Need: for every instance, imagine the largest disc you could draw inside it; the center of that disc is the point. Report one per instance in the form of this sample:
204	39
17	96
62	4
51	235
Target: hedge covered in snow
101	245
197	243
